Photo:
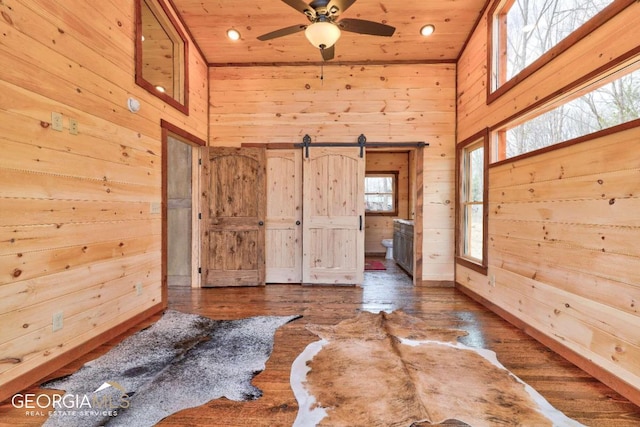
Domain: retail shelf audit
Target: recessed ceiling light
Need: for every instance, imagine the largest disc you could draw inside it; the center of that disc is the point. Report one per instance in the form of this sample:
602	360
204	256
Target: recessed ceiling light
233	34
427	30
160	89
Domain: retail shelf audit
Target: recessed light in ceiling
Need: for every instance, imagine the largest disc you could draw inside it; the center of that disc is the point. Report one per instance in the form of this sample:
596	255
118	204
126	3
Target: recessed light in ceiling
427	30
160	89
233	34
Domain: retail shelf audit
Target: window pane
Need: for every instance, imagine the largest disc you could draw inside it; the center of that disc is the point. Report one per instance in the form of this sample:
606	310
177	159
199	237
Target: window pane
612	104
474	235
535	26
379	189
476	175
378	184
380	203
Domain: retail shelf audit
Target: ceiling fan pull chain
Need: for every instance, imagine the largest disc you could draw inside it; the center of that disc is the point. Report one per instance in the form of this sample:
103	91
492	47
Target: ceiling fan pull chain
322	74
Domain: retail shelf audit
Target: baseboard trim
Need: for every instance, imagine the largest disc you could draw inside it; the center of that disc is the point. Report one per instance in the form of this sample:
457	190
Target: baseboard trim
437	283
30	378
617	384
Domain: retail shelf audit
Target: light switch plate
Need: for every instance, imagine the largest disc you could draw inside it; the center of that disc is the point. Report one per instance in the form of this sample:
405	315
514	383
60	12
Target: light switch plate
57	322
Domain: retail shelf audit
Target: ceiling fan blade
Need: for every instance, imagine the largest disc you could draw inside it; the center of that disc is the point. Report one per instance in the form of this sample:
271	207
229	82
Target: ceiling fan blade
282	32
329	53
362	26
342	5
301	6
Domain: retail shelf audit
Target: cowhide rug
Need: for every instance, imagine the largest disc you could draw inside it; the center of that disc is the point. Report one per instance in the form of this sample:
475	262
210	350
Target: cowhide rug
395	370
181	361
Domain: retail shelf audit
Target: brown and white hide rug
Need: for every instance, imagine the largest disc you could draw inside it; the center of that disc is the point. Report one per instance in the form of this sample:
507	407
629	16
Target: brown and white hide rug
395	370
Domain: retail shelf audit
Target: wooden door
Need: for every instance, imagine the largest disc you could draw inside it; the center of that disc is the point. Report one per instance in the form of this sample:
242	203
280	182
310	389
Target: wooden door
179	212
233	215
333	217
284	216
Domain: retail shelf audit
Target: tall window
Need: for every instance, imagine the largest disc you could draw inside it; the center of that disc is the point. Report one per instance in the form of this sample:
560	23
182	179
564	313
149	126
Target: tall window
522	31
472	203
381	193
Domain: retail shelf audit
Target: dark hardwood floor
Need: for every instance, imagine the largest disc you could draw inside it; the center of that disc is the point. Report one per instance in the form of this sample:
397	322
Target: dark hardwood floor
566	387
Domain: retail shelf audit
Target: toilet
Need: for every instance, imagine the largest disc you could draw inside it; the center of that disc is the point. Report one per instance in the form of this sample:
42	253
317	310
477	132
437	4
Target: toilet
388	243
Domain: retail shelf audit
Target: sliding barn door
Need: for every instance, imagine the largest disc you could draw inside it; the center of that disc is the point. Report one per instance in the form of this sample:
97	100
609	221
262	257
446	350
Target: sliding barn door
233	215
284	216
333	224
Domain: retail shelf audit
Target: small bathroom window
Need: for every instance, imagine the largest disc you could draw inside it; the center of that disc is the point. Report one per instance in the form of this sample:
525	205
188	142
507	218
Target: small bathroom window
381	193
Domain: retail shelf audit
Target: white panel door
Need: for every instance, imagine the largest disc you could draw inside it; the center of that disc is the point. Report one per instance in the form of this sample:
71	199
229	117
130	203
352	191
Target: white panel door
333	216
284	216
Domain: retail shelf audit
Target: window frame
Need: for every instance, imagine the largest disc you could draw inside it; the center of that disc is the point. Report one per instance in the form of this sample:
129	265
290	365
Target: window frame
496	40
169	23
479	139
377	174
497	134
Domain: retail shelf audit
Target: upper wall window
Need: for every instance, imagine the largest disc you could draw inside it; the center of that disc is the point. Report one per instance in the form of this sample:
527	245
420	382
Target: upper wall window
381	193
161	54
609	101
525	34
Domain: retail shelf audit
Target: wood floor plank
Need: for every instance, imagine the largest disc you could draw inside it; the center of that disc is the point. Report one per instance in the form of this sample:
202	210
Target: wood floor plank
566	387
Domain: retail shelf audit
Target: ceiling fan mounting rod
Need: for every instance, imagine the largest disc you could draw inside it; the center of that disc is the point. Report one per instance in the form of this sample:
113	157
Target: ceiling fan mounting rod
322	10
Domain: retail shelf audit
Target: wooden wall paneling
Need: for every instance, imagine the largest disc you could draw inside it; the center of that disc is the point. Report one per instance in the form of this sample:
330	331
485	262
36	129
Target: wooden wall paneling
581	60
562	232
25	293
399	103
77	209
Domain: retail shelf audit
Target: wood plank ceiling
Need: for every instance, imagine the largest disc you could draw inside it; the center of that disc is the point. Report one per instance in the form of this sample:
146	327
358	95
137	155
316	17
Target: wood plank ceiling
208	21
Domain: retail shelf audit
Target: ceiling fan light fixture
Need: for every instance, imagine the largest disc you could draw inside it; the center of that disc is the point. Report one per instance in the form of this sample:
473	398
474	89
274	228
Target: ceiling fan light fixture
322	34
427	30
233	34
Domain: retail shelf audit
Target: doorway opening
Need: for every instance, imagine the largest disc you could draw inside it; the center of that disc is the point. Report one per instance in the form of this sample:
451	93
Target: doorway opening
181	207
400	173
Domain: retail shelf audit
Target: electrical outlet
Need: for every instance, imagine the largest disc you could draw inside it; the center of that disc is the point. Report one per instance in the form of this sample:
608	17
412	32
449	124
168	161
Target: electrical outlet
139	288
57	321
73	126
492	281
155	207
56	121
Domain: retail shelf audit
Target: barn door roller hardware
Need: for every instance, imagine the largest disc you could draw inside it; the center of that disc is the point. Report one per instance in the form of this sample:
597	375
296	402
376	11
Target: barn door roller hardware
362	143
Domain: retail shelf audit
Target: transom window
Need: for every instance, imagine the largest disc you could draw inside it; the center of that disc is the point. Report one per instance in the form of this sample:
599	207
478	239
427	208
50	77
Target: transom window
381	193
610	101
522	31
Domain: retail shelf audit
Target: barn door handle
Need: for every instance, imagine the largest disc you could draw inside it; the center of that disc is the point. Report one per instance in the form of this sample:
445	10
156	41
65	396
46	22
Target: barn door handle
261	223
297	222
360	222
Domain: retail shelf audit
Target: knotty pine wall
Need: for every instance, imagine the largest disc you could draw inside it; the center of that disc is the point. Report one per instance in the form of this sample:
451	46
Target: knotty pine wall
563	228
76	232
397	103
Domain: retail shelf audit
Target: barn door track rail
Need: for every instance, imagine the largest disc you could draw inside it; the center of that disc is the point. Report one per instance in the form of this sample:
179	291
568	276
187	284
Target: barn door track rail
362	143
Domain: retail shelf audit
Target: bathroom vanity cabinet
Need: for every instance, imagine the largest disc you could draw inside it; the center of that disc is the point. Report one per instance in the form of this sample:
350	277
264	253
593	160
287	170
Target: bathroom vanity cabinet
403	244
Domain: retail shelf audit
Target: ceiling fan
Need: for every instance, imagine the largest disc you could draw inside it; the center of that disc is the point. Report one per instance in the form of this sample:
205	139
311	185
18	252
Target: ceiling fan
324	30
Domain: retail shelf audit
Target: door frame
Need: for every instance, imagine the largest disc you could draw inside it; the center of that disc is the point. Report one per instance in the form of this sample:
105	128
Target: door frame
169	129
